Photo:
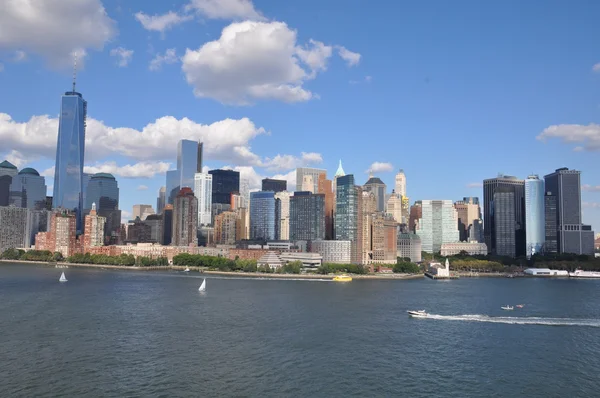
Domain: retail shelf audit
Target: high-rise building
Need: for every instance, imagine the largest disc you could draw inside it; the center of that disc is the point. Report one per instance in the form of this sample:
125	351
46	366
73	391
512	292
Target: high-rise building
103	190
200	157
185	218
245	193
394	206
368	206
7	172
409	246
140	210
416	212
161	200
400	186
172	186
203	192
346	209
61	236
333	251
308	184
189	157
93	232
269	184
262	215
307	216
492	213
28	189
226	228
282	199
301	172
325	188
224	183
535	233
155	225
68	188
384	237
563	209
405	210
243	224
167	225
438	224
504	221
13	222
468	214
138	231
375	185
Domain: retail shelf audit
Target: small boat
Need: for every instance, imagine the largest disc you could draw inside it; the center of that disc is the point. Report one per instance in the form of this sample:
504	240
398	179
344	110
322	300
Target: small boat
202	287
63	278
508	308
584	274
418	314
520	305
342	278
187	269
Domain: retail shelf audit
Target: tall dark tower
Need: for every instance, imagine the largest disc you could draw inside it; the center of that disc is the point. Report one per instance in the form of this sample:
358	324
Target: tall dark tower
200	148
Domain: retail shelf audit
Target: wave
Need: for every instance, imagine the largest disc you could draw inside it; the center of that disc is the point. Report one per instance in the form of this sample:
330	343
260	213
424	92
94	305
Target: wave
518	320
260	278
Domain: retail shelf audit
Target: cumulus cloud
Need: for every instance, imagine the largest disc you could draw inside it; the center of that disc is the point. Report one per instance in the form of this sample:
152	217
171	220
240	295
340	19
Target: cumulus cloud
475	185
254	178
225	9
380	167
170	57
136	170
350	57
161	23
590	188
588	136
54	29
287	162
123	56
596	68
142	188
254	60
18	159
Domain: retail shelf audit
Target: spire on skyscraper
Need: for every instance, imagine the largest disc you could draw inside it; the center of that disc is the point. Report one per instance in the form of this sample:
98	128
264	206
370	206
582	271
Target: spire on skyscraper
74	69
340	170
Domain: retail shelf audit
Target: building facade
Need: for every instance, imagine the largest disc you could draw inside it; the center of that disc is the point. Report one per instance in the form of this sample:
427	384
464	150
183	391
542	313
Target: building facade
269	184
226	228
469	214
185	218
7	172
437	225
93	231
394	206
161	200
378	188
189	162
384	242
224	183
301	172
13	222
203	192
307	216
61	236
333	251
28	189
282	199
535	233
400	183
103	190
262	215
471	248
409	246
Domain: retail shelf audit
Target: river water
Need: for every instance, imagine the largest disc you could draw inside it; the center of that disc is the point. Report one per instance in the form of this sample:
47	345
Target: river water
151	334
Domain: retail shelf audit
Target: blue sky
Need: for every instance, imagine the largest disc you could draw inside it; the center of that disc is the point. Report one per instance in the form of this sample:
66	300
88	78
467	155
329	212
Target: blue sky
452	92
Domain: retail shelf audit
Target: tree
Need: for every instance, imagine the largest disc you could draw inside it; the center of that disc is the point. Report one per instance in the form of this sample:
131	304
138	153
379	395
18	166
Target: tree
404	267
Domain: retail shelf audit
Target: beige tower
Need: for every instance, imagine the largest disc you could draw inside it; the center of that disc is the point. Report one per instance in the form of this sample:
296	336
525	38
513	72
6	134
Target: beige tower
394	206
400	183
308	184
284	222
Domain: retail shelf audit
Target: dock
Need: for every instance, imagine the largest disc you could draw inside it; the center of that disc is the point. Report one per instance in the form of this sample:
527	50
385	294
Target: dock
437	277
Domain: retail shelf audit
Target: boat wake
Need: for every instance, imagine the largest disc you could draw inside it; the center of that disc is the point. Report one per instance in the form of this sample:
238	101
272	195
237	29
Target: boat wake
519	320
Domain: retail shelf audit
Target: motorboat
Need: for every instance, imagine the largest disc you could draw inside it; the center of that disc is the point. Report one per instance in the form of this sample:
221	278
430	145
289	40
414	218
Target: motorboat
342	278
584	274
508	308
418	314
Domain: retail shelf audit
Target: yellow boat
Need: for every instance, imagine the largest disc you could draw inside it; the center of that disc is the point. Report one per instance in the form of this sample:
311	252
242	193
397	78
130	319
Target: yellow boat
342	278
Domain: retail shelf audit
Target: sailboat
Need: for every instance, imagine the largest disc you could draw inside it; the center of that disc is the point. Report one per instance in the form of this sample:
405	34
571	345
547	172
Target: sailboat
187	269
63	278
202	287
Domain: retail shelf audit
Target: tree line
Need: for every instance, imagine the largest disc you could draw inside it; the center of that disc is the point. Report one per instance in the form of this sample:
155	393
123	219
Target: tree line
31	255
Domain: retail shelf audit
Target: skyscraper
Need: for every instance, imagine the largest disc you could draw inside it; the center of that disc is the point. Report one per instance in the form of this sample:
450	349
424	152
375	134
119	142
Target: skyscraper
269	184
189	157
93	234
262	215
394	206
172	186
468	214
13	222
307	216
141	211
326	188
438	224
167	225
301	172
7	172
535	234
493	213
185	218
400	186
224	183
70	149
283	206
203	192
28	189
563	209
103	190
375	185
504	222
346	210
225	228
161	200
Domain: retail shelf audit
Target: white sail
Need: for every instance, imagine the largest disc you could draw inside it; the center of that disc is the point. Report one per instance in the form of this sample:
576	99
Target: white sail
63	278
202	286
187	269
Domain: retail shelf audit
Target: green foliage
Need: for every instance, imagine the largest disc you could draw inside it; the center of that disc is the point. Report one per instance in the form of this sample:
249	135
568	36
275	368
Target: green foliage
37	255
406	267
293	267
329	268
12	254
123	259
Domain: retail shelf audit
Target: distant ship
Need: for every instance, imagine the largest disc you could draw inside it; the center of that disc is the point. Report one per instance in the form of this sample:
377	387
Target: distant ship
342	278
418	314
584	274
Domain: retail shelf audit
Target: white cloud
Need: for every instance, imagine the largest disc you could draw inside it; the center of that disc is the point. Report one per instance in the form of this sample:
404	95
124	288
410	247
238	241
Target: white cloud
590	188
596	68
350	57
591	205
161	23
254	60
475	185
225	9
18	159
142	188
312	157
255	179
136	170
170	57
588	135
48	173
20	56
123	56
287	162
54	29
380	167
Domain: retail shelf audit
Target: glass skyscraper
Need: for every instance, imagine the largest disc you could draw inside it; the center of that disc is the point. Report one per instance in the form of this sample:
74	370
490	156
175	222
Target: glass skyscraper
70	148
346	209
189	162
7	172
535	234
262	215
28	189
438	224
307	216
224	183
103	190
203	192
375	185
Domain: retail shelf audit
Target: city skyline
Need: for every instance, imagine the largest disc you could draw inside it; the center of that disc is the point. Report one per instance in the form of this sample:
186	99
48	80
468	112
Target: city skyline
272	137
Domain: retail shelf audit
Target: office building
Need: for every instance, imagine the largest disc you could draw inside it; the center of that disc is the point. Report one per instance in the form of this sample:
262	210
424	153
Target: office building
307	216
243	224
377	187
7	172
189	162
400	186
140	210
384	239
167	225
346	209
405	210
368	206
437	225
333	251
37	221
93	232
394	206
28	189
185	218
535	233
409	246
245	193
155	225
563	214
282	201
224	183
262	215
138	231
13	222
269	184
103	190
495	213
68	185
172	186
161	200
469	214
203	192
471	248
302	172
226	228
61	236
416	212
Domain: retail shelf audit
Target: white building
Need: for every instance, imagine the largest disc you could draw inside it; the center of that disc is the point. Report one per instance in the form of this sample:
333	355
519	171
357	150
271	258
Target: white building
440	271
438	224
400	187
545	272
271	259
203	192
394	206
308	260
301	172
333	251
472	248
409	246
284	220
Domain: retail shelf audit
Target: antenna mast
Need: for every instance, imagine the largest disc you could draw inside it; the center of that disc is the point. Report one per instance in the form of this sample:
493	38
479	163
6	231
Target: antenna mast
74	69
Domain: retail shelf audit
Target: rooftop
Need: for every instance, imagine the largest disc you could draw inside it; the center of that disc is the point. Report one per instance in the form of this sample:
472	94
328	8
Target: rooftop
7	165
30	171
374	180
103	175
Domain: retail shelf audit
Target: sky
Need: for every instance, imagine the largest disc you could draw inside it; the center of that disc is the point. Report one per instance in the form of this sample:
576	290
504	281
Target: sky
451	92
